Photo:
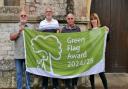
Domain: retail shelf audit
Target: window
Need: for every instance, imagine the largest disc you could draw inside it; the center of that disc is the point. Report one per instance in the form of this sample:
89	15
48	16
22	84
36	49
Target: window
11	2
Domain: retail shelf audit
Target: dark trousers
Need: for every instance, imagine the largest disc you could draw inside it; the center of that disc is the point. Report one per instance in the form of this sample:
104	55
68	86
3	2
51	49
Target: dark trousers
55	82
103	78
74	81
69	83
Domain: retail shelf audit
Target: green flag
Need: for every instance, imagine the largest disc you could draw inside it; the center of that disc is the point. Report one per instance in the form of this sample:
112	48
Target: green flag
65	55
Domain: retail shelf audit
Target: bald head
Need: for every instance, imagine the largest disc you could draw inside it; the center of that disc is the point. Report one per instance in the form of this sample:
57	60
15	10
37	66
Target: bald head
70	15
70	19
23	12
23	16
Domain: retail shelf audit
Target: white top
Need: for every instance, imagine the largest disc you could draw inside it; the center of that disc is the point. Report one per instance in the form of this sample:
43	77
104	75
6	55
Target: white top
95	28
53	24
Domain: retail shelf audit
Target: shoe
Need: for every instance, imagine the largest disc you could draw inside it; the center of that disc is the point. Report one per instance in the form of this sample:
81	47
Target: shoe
44	88
56	88
68	87
74	87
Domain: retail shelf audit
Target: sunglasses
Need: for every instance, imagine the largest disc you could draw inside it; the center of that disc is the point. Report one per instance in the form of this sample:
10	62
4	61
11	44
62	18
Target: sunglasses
23	15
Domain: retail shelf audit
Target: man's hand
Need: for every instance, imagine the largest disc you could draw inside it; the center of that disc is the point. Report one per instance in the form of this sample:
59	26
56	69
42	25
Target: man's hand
21	28
14	36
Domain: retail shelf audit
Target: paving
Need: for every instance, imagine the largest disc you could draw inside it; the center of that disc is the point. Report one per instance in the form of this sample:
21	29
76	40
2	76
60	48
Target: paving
115	81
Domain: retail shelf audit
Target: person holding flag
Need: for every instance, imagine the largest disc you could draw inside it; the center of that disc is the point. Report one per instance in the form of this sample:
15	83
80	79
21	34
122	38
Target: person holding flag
70	27
95	24
19	54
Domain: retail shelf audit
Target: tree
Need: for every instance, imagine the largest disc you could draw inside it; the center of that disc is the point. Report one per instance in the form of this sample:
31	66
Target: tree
48	50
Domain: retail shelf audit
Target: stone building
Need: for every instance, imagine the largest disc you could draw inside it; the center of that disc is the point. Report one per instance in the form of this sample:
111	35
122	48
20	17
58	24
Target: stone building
9	10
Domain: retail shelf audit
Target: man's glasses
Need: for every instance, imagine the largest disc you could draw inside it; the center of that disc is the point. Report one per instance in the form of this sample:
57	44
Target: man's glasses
48	11
70	18
23	15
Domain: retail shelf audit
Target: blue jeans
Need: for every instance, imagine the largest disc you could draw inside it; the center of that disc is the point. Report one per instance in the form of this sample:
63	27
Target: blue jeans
20	70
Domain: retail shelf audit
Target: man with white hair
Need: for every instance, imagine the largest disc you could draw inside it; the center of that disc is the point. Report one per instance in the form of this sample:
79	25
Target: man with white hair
70	27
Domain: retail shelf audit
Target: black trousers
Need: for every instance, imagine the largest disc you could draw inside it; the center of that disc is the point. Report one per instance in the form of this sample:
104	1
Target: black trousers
103	78
55	82
71	82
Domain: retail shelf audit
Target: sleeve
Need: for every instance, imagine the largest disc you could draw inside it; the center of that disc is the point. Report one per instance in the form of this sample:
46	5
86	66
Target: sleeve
57	24
41	26
62	31
78	28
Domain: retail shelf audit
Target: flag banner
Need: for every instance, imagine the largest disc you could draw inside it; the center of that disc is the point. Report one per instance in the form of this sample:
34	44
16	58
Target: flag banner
65	55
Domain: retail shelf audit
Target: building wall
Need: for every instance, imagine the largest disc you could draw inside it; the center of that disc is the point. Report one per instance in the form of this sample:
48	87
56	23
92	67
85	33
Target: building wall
1	2
8	23
7	65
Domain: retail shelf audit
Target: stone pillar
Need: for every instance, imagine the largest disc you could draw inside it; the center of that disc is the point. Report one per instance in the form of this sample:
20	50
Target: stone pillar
82	8
22	3
1	2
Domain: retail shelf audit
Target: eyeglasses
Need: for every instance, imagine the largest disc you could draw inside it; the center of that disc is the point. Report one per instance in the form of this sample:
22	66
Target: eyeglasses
70	18
48	11
23	15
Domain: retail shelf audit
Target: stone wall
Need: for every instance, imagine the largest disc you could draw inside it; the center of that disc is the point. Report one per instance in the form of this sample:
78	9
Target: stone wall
7	65
35	9
8	23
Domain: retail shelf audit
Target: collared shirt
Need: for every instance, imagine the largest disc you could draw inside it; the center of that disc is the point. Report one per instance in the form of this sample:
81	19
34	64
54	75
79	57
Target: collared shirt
19	44
68	29
95	28
51	26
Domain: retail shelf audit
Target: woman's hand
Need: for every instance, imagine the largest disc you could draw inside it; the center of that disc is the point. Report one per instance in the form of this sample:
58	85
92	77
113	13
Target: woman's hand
107	29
